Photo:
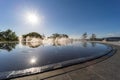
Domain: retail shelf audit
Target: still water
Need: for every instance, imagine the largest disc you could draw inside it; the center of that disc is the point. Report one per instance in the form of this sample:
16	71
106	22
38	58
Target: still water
20	56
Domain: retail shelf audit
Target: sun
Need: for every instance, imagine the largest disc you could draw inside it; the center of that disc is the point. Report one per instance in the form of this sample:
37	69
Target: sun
32	18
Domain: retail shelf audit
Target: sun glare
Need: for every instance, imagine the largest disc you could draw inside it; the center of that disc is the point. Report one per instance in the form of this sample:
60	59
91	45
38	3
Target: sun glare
32	18
33	61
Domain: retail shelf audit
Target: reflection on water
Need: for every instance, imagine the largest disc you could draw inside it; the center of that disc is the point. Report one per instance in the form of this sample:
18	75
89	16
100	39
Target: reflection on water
32	44
28	55
33	60
8	46
84	44
62	43
93	44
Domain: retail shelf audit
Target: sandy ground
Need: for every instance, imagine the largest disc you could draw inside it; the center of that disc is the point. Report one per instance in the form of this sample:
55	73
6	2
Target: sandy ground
107	69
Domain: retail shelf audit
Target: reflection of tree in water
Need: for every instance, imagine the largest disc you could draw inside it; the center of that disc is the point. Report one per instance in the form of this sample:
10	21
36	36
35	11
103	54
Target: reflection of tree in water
63	43
23	43
8	46
56	44
84	44
93	44
32	44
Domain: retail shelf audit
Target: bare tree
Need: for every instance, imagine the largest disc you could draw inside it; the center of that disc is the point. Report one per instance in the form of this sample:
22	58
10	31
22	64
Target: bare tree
84	36
93	37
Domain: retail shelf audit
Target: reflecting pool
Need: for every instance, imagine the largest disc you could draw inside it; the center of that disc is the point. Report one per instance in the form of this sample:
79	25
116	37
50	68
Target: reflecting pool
22	58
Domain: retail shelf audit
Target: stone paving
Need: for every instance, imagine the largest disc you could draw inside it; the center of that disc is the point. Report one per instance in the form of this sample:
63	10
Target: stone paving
107	69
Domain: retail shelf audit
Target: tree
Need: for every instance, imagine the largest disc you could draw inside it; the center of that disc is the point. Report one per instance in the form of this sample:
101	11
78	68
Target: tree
84	36
33	34
8	35
64	35
93	37
56	35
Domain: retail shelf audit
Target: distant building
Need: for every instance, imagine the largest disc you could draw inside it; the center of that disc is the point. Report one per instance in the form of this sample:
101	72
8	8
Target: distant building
112	39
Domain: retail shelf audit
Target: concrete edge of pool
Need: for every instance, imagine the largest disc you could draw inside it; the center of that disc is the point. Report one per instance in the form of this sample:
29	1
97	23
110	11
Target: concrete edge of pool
36	70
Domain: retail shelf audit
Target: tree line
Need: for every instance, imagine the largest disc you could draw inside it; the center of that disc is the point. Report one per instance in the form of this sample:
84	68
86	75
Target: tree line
93	37
56	35
9	35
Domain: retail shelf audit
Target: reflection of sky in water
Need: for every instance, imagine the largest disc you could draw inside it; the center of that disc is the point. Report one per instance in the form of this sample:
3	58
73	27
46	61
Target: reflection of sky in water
23	56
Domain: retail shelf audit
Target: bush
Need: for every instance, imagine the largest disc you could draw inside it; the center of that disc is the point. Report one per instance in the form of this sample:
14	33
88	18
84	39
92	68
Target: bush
33	34
8	35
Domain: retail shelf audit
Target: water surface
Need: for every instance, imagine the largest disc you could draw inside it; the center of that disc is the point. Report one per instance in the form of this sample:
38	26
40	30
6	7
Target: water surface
22	56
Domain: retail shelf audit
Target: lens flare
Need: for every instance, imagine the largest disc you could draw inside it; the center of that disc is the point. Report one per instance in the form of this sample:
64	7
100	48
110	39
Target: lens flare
32	18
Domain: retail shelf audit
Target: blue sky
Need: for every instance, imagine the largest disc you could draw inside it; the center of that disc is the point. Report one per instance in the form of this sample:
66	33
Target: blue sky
72	17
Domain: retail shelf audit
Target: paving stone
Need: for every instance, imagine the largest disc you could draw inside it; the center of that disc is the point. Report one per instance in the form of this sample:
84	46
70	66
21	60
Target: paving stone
60	77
